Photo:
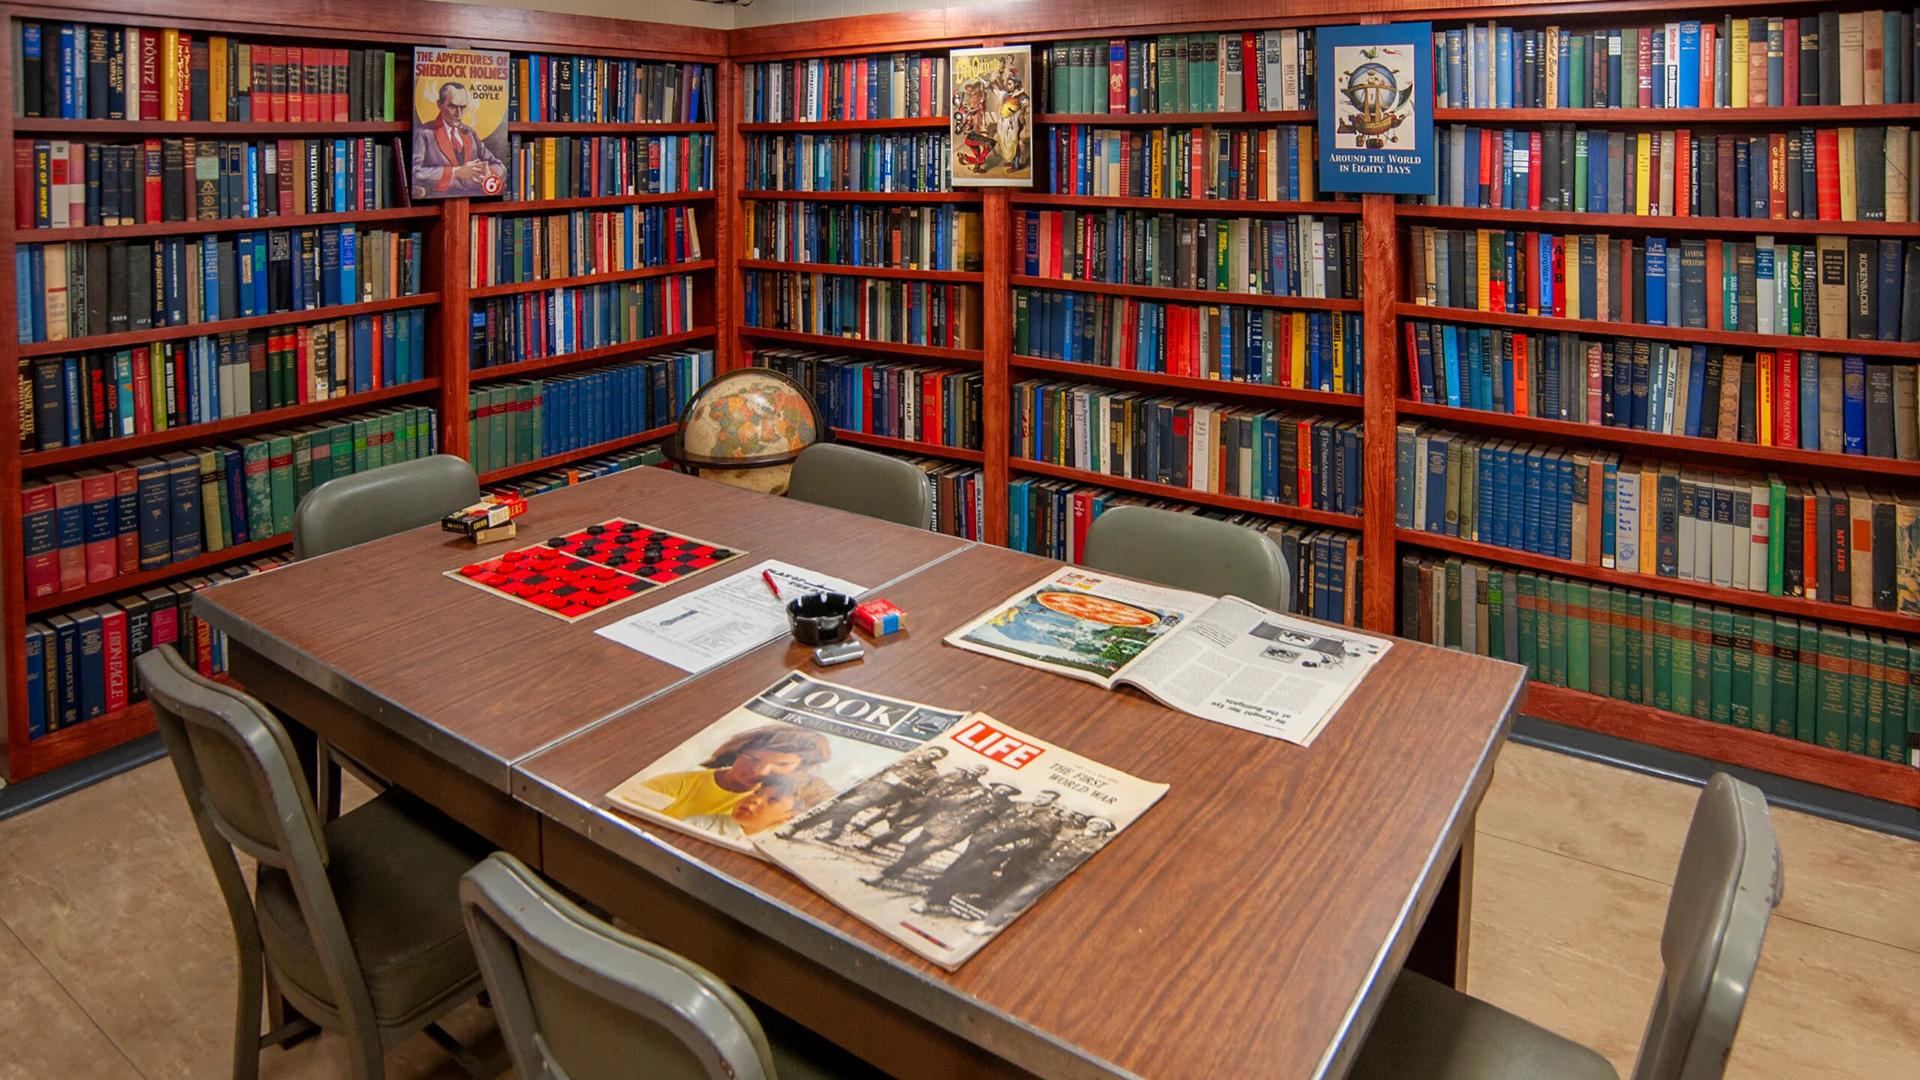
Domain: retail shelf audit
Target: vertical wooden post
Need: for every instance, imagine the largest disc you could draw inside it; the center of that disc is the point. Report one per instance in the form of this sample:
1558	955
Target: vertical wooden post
729	149
454	319
1379	288
996	341
13	568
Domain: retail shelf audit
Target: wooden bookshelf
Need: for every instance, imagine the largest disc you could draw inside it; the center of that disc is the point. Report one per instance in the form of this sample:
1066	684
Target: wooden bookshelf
908	446
891	123
1775	115
128	583
594	127
603	277
890	348
1306	514
762	195
1258	391
1186	120
235	129
226	225
958	277
1683	335
589	202
1186	206
98	342
1188	296
1656	223
547	364
555	461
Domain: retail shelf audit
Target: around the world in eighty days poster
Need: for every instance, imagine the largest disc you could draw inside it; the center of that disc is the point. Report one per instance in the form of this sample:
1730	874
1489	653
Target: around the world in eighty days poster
1376	108
459	123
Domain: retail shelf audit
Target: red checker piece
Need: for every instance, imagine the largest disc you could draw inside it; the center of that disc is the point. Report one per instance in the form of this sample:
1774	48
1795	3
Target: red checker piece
547	600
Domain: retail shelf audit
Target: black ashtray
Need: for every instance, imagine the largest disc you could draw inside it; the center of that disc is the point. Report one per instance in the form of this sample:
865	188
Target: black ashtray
821	618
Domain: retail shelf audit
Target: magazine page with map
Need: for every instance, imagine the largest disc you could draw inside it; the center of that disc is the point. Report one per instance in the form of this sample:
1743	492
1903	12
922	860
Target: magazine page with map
1224	660
790	748
954	841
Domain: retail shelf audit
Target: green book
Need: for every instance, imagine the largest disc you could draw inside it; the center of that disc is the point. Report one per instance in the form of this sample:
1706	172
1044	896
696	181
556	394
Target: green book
1453	632
1579	636
1600	640
1497	614
361	441
1663	649
1638	686
1580	167
1618	641
476	431
1702	662
1859	650
1902	753
1876	676
500	400
280	470
302	464
1577	57
1760	695
342	456
1557	632
1894	738
1831	704
1806	724
386	86
1740	704
1683	657
1720	668
1528	586
1468	467
1776	534
254	453
1543	629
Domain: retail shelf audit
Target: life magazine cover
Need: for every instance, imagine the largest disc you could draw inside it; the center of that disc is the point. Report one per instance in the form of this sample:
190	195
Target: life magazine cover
944	848
1224	660
792	747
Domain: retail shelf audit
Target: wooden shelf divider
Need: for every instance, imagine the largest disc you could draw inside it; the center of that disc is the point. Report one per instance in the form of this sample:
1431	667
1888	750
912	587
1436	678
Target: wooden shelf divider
1685	335
127	583
1204	498
907	446
1100	373
571	457
1188	296
603	277
961	277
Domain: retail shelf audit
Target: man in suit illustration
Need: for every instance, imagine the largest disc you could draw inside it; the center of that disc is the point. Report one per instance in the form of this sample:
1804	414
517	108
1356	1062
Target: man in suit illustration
449	157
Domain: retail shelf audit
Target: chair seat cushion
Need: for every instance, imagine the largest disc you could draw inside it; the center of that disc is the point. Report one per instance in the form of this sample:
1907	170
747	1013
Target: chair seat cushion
395	865
1435	1032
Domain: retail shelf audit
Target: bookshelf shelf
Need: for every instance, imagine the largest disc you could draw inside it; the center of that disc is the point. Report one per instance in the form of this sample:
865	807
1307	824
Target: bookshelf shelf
235	128
908	446
603	277
221	326
589	202
556	461
70	744
1837	115
126	583
1187	296
1545	323
138	444
1185	206
892	123
1201	119
1100	373
226	225
1656	443
1888	780
1205	498
593	127
762	194
894	348
586	356
1658	223
1800	608
967	277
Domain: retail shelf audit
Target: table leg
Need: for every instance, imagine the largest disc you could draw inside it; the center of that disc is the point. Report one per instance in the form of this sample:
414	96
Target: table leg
1440	949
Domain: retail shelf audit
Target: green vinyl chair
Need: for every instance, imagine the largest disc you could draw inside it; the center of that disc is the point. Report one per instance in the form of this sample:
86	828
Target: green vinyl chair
380	502
579	999
1725	890
1187	551
863	482
358	921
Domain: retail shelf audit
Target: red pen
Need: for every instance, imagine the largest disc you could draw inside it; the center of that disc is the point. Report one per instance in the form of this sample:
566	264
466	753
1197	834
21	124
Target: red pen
772	585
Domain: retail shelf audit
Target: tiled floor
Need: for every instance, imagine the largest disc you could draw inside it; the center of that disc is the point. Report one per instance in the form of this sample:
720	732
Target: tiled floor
116	957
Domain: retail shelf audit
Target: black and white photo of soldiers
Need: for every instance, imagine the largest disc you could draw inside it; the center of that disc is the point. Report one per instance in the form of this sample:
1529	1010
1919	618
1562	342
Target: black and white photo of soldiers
997	845
1082	839
886	796
950	822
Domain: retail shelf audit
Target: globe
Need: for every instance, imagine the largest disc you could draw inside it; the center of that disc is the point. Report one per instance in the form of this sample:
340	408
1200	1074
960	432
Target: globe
745	428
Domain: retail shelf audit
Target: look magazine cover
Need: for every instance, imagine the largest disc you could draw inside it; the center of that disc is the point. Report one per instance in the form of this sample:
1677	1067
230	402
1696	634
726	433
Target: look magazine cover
945	847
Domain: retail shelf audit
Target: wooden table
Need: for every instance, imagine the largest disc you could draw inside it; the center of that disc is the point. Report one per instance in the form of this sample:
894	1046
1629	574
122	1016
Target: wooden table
1248	925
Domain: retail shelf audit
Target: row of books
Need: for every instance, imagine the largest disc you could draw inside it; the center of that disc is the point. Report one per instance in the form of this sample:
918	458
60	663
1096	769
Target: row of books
1831	58
1050	518
1242	71
1309	350
1845	689
878	87
849	161
533	326
80	662
959	497
85	528
903	312
1268	163
93	397
514	422
917	402
602	90
58	183
1813	401
1861	288
1845	545
587	166
940	237
580	472
78	71
1289	255
533	247
1265	455
1810	174
79	290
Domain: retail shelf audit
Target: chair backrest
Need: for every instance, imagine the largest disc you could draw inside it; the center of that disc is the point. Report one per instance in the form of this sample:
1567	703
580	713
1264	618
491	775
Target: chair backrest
379	502
847	478
578	999
1725	890
1187	551
238	771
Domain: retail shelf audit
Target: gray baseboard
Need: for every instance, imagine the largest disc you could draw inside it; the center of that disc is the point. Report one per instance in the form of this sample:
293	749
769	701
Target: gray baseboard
24	796
1826	802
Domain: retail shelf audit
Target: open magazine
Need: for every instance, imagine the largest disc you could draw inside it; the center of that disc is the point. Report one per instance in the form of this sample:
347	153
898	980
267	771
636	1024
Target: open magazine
795	745
950	844
1223	660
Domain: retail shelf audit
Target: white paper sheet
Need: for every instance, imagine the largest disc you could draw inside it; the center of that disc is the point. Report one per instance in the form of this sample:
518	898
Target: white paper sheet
714	624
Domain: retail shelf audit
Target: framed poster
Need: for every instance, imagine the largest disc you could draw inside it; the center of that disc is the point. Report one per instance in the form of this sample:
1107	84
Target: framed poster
1376	108
992	116
459	123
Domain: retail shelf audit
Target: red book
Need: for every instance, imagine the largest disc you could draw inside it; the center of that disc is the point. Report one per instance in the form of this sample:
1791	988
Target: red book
1533	279
1643	91
284	158
1250	71
1826	161
376	346
1536	171
1521	360
1304	453
1790	81
1777	176
302	372
1654	167
1489	153
69	508
1559	272
1130	333
340	113
23	185
296	84
113	654
40	518
1117	75
1724	176
202	633
276	82
1413	364
183	76
1683	173
1593	387
126	494
1786	392
149	55
1716	269
150	189
142	392
1082	521
97	497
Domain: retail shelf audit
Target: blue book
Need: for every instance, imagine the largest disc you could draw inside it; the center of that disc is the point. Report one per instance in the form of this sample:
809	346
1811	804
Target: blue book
36	654
1853	404
1450	340
1436	485
67	639
1689	92
92	663
1531	508
1482	68
183	506
1887	328
1696	389
156	520
1475	197
349	265
72	69
1503	67
1484	497
1641	397
1563	510
1656	314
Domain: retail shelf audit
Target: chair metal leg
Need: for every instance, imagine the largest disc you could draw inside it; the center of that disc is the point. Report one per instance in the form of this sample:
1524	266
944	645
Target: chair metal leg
246	1019
480	1066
